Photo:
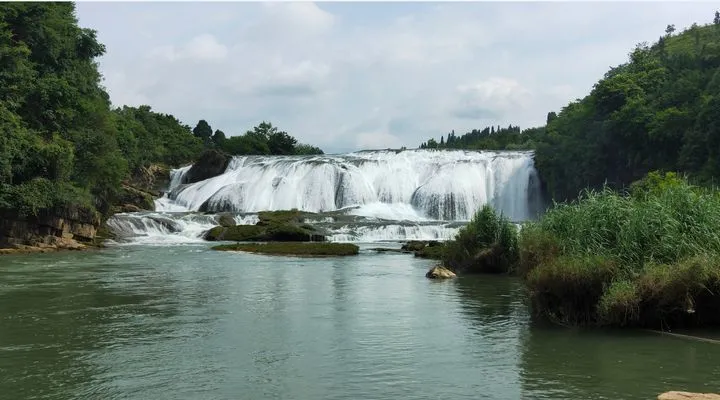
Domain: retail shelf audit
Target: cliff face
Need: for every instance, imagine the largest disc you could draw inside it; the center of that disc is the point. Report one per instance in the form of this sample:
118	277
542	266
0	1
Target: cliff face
69	228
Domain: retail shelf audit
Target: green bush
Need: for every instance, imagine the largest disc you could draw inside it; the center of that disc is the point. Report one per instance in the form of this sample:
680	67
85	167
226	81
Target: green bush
488	243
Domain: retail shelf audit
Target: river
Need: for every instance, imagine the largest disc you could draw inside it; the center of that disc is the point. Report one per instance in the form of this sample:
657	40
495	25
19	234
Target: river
184	322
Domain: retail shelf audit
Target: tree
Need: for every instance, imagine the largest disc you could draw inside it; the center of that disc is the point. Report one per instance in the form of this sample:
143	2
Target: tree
716	20
551	116
280	143
670	29
203	130
218	137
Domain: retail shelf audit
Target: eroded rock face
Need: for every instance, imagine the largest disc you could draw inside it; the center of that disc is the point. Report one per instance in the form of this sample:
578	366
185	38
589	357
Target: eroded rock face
675	395
67	228
439	272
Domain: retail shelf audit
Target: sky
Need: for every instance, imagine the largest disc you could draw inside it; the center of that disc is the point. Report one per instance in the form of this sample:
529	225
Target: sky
350	76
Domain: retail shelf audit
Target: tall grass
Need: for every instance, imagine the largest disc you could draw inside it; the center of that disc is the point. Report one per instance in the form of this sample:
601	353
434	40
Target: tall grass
487	244
613	247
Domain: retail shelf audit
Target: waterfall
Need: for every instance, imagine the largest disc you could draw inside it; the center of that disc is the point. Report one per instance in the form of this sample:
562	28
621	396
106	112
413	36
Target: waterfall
366	196
418	184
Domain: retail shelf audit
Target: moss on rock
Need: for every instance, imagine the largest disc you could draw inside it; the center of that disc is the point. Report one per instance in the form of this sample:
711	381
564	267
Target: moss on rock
294	249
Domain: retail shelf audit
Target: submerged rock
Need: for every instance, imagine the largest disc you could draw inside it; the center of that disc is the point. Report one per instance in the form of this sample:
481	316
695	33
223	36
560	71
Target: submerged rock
439	272
675	395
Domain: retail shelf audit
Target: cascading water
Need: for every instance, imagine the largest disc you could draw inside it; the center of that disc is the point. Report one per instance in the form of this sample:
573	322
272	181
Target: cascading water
440	185
383	195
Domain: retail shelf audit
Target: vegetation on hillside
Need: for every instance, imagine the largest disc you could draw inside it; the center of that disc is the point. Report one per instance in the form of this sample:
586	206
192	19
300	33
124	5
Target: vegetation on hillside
658	111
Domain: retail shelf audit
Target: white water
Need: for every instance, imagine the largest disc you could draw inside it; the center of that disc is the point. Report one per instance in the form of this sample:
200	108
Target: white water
383	195
412	184
367	234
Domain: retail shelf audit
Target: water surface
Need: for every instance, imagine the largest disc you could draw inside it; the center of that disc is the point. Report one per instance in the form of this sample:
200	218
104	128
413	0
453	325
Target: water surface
167	322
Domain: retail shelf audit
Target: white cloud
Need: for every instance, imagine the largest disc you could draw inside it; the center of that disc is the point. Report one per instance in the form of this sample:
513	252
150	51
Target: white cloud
489	99
347	76
203	47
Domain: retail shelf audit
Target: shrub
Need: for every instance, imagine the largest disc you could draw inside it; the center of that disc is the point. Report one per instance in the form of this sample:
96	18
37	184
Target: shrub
488	243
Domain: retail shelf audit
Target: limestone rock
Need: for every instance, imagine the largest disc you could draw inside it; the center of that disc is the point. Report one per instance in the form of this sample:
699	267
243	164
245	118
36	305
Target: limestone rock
439	272
675	395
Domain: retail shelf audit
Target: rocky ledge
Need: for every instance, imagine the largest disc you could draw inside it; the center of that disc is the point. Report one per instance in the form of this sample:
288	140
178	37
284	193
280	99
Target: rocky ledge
70	228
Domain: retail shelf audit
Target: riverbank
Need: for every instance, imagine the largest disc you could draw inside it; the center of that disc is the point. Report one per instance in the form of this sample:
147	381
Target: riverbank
647	259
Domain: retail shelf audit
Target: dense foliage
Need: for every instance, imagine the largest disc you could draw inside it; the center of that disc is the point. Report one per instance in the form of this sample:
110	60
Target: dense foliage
264	139
658	111
59	142
647	258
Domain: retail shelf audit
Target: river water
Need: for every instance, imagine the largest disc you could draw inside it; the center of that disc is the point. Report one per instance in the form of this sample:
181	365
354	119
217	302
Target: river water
185	322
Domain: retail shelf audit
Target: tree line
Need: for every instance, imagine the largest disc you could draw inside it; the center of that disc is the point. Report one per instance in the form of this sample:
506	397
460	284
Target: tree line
263	139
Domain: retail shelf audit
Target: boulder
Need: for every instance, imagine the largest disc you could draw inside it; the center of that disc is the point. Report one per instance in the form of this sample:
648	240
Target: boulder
211	163
675	395
439	272
226	220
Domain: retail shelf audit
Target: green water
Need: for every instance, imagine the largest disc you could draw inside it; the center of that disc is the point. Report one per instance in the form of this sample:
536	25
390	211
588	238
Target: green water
184	322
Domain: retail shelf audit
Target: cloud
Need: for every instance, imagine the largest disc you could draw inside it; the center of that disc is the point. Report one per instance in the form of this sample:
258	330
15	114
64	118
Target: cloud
350	75
490	98
203	47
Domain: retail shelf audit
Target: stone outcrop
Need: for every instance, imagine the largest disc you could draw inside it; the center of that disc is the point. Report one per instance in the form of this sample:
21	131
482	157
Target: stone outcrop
439	272
139	192
68	228
211	163
273	226
675	395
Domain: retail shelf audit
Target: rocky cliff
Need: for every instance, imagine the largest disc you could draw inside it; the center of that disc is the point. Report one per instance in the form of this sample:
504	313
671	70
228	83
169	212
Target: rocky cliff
69	228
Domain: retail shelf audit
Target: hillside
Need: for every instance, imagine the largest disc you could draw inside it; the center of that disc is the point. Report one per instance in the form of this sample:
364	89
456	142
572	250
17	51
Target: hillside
658	111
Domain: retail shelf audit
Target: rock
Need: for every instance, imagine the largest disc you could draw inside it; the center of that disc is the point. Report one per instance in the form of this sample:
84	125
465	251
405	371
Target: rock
674	395
129	208
62	228
236	233
414	245
226	220
439	272
212	162
132	196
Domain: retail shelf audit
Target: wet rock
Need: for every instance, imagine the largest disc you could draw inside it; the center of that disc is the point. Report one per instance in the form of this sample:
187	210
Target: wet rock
439	272
226	220
211	163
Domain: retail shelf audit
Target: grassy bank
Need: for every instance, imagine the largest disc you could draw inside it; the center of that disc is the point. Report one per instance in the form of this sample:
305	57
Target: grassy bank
294	248
648	258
